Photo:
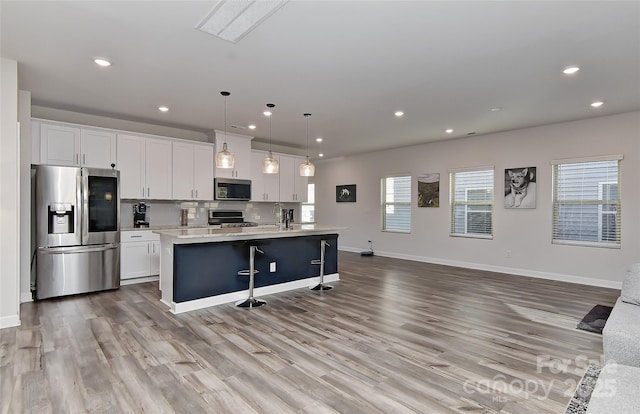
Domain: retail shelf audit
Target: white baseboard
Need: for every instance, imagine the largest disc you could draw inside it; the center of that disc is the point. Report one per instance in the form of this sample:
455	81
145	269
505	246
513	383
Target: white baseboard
9	321
243	294
498	269
26	297
124	282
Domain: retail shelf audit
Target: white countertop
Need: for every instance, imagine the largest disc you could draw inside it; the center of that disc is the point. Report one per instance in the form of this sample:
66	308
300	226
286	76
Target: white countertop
212	234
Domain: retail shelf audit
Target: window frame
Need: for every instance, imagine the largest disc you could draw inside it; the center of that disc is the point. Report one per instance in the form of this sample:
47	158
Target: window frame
384	204
453	203
600	203
307	203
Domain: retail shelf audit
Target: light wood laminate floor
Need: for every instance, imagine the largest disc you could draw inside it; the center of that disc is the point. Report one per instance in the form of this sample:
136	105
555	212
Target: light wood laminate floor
393	337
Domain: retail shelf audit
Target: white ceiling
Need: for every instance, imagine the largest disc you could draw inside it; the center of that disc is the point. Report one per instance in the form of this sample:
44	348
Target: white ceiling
349	63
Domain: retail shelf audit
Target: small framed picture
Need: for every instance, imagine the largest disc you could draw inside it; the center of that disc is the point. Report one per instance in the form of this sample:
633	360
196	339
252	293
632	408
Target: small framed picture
346	193
429	190
520	187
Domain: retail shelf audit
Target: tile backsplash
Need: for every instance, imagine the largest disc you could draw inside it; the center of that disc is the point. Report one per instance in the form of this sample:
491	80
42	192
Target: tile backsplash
163	213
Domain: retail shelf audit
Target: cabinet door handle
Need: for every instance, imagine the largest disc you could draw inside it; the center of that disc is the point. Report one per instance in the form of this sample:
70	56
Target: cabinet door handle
84	159
196	193
191	193
77	159
148	249
142	191
148	192
136	236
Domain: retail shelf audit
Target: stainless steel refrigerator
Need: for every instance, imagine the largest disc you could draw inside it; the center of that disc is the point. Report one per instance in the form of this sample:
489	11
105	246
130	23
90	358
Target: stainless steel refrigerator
77	230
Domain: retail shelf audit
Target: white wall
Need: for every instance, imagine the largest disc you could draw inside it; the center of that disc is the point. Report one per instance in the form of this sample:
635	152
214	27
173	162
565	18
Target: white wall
526	233
10	199
24	117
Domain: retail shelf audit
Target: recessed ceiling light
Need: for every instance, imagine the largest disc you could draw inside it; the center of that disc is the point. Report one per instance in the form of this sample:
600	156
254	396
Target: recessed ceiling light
163	109
321	155
318	139
570	70
398	113
252	126
597	104
496	109
102	62
448	131
267	113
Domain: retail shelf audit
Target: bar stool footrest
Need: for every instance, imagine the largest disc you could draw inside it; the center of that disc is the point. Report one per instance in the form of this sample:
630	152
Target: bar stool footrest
247	272
316	262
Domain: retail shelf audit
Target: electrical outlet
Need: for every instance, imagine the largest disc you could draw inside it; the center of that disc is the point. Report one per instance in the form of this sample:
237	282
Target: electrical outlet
272	267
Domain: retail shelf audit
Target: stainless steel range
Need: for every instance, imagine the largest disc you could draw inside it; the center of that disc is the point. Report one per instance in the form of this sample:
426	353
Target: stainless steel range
228	218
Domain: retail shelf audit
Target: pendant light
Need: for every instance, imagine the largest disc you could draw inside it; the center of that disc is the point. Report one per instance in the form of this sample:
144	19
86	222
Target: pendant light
270	165
224	158
307	169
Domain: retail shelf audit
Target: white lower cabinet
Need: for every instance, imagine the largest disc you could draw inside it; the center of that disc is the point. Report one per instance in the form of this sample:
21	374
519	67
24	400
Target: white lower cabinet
139	254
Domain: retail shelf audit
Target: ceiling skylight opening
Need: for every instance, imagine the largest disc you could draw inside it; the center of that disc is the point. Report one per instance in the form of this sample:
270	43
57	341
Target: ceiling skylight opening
231	20
570	70
102	62
597	104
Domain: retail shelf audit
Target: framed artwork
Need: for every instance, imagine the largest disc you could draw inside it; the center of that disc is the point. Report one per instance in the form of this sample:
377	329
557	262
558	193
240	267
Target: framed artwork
520	187
346	193
429	190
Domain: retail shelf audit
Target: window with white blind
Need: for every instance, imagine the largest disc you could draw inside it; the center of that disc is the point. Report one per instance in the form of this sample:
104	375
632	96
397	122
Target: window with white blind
586	202
308	208
396	204
471	199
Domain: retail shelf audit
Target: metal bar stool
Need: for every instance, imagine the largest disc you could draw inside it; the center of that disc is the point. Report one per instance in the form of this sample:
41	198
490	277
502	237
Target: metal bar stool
321	285
251	302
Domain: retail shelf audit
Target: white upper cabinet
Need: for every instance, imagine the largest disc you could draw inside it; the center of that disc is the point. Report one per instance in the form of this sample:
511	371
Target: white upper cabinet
145	167
182	171
59	145
264	187
293	187
192	171
158	169
75	146
131	158
203	163
240	147
97	148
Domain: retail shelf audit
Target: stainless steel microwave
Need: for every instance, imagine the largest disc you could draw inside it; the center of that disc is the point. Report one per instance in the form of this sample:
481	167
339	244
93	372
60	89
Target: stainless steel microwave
231	189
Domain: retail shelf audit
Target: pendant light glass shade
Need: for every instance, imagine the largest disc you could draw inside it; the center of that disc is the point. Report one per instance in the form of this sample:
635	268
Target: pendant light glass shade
307	169
224	158
270	165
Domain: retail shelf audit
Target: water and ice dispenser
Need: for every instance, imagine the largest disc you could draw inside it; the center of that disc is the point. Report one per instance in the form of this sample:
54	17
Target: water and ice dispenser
61	218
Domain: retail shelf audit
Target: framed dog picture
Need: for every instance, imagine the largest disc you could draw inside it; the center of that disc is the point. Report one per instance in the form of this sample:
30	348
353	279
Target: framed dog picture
429	190
520	187
346	193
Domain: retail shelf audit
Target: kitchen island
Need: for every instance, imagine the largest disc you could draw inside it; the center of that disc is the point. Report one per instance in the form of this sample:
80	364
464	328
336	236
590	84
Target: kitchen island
199	266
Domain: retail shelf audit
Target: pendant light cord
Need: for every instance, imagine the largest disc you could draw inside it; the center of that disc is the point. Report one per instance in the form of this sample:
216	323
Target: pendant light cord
225	119
307	116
